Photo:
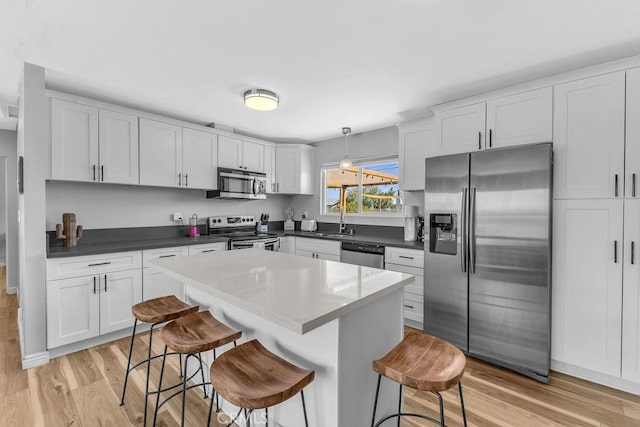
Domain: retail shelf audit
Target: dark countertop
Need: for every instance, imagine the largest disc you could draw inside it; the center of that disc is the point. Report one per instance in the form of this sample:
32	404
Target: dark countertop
358	238
130	245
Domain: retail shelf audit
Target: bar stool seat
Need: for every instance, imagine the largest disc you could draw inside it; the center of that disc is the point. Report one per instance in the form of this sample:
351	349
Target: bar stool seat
191	335
251	377
425	363
154	311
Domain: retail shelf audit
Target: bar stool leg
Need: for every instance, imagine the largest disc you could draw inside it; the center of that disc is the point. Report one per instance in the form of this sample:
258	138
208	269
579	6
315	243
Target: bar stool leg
204	387
375	402
210	409
266	417
126	375
180	358
184	389
304	409
146	389
400	405
464	413
155	412
248	415
441	401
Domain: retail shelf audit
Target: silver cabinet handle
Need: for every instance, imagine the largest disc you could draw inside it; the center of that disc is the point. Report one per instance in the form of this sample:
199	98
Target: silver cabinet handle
479	140
105	283
615	251
100	263
463	236
186	179
94	172
633	185
408	306
616	184
180	179
94	285
102	173
472	231
633	252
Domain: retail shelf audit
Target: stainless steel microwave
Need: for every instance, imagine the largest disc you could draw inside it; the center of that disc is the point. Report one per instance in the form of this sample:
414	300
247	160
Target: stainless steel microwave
239	184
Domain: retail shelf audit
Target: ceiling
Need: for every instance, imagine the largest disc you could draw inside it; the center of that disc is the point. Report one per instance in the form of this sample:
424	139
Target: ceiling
365	64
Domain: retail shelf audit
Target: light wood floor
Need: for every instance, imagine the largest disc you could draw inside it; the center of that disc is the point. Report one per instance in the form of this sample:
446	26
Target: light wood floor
83	389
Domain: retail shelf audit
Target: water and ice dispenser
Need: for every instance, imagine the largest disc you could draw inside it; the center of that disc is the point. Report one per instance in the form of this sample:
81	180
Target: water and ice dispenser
443	233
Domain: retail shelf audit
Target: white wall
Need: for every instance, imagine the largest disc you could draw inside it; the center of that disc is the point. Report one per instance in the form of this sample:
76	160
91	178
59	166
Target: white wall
115	206
8	147
377	143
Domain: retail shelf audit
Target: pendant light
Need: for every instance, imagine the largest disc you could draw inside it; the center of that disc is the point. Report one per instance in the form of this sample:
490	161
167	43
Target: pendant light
346	163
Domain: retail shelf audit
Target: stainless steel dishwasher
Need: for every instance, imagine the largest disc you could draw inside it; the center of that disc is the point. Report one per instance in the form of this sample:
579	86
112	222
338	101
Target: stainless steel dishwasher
364	254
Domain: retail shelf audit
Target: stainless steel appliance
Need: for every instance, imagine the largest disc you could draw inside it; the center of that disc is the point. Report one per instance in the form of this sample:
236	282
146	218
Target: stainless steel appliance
242	234
364	254
488	255
239	184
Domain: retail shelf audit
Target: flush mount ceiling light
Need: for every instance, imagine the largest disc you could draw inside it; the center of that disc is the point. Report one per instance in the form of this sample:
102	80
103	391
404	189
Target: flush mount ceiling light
346	163
261	99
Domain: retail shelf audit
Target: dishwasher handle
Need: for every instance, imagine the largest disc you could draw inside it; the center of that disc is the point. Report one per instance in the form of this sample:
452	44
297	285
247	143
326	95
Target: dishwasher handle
363	247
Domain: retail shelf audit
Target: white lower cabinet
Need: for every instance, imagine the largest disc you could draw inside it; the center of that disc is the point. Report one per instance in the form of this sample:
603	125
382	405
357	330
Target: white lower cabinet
410	261
156	284
631	293
288	245
316	248
88	305
207	247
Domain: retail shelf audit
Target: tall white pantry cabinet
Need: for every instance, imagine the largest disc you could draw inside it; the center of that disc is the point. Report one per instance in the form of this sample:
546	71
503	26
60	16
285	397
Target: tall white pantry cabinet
596	327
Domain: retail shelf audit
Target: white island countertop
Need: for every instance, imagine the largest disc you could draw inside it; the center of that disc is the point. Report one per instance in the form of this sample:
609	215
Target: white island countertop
297	293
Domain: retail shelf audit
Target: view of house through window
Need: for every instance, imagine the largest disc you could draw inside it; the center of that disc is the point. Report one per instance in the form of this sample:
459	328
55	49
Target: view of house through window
367	188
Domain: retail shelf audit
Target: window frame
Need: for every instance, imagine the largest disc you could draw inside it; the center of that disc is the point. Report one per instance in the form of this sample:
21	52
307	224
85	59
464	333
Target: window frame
359	163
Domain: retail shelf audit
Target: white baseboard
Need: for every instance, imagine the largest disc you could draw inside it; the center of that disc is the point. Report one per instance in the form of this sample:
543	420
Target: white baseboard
33	360
12	290
596	377
92	342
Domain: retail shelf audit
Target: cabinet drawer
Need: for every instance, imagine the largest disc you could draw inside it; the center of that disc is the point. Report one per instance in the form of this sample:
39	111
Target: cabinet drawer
401	256
316	245
410	296
61	268
413	310
208	247
416	288
151	254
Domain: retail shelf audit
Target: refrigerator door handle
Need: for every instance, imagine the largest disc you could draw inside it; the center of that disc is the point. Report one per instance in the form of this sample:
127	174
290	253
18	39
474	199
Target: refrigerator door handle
472	231
463	236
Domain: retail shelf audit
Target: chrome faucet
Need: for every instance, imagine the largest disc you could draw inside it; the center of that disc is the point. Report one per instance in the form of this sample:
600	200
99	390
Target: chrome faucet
343	225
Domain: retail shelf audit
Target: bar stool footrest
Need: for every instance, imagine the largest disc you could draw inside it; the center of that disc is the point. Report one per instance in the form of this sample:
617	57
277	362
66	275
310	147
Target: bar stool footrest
407	414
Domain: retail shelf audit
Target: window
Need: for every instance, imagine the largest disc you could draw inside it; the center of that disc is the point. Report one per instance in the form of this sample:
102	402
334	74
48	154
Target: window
368	188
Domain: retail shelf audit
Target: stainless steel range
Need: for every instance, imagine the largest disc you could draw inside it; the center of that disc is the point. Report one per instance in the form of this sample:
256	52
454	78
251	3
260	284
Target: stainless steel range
241	231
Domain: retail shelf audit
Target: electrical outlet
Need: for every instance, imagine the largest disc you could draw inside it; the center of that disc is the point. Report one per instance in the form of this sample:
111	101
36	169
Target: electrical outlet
177	216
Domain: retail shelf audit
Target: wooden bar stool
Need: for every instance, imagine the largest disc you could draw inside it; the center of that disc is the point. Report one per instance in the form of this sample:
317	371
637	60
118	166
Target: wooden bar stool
424	363
251	377
191	335
154	311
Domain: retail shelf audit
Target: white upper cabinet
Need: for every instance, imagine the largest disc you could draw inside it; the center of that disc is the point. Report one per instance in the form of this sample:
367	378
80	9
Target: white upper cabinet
589	123
199	159
587	284
92	144
294	169
74	141
235	153
270	167
118	147
460	129
631	293
632	144
416	143
160	154
523	118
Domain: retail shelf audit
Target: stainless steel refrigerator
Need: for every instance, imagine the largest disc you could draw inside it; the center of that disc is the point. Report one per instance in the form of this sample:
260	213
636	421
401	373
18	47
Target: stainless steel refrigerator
487	281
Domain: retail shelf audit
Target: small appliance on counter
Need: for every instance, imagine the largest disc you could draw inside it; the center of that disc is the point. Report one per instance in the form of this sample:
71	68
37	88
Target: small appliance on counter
193	226
289	225
68	230
309	225
410	221
263	225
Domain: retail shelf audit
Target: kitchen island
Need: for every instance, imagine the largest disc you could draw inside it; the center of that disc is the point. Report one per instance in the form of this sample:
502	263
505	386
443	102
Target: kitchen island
328	316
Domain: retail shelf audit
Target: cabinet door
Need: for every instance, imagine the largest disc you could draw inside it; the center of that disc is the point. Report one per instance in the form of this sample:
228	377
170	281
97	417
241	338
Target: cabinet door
587	284
74	141
270	167
460	130
118	148
199	159
523	118
288	170
253	156
588	133
160	154
72	310
632	145
208	247
229	152
156	284
118	292
631	293
416	144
